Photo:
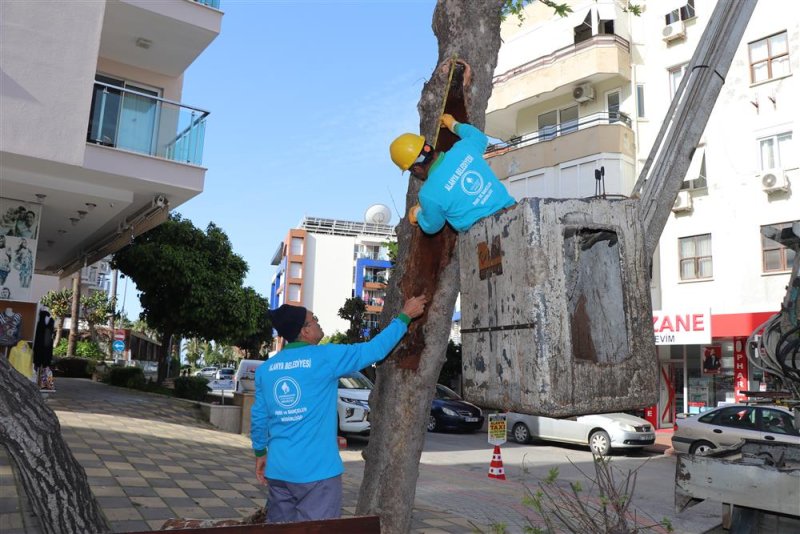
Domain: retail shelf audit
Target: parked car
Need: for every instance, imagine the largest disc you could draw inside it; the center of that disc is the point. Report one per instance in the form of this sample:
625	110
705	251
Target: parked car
352	404
226	373
450	412
727	425
207	372
601	432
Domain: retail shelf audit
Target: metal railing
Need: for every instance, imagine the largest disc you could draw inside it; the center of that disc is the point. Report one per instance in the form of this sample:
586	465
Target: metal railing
548	133
147	124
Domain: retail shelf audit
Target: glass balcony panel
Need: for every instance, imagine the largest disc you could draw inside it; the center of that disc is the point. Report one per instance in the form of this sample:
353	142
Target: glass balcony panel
209	3
146	124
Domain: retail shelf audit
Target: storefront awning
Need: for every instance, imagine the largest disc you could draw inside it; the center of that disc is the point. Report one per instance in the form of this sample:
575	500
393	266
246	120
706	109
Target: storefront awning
737	324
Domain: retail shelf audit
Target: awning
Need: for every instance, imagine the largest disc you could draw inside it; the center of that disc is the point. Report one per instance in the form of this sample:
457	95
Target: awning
697	163
737	324
577	17
606	12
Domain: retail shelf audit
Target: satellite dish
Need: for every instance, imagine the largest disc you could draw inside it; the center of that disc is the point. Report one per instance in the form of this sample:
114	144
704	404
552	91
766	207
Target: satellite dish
378	214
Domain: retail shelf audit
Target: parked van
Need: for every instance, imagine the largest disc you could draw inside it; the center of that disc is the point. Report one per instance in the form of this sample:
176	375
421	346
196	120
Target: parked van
245	378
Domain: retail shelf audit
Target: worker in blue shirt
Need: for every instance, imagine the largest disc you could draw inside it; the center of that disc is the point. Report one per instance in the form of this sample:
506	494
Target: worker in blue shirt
294	415
460	187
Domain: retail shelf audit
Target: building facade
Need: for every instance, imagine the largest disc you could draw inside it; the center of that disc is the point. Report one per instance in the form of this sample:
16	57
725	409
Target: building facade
95	143
323	262
579	102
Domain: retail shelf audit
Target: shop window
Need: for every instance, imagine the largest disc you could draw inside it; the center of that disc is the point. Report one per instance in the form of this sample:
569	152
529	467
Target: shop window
769	58
776	257
695	257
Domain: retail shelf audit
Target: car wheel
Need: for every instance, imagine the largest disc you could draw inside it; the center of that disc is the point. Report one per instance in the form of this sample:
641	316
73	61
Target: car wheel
521	433
600	443
433	424
701	447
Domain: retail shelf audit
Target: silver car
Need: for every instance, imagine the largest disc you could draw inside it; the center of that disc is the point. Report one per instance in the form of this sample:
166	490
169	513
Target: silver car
601	432
726	426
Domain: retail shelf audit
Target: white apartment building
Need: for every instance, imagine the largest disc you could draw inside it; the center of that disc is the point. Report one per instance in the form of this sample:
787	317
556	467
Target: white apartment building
95	143
580	101
323	262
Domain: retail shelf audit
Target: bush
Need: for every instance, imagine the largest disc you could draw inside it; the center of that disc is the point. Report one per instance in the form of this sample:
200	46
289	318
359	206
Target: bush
61	348
85	348
74	368
191	387
123	376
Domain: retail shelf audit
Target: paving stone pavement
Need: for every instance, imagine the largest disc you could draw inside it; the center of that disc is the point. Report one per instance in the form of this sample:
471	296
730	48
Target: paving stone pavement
149	458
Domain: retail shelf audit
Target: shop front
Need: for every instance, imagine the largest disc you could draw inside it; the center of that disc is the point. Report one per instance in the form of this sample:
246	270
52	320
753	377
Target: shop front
703	362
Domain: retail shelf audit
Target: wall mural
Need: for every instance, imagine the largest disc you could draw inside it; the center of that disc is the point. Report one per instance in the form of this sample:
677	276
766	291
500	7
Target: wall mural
19	234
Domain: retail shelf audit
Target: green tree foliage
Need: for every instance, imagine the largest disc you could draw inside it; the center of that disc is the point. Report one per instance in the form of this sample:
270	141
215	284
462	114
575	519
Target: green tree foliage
96	308
353	312
255	336
391	250
190	282
60	303
337	338
193	350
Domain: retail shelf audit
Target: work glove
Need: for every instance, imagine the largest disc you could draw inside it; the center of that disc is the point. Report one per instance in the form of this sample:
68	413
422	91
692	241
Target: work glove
412	214
448	122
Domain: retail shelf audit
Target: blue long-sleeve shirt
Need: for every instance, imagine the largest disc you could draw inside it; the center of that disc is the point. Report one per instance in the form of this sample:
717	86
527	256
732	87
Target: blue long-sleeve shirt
294	414
461	188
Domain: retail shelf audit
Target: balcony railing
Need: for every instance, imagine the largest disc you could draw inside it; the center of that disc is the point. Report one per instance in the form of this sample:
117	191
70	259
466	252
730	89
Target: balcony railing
565	128
135	121
209	3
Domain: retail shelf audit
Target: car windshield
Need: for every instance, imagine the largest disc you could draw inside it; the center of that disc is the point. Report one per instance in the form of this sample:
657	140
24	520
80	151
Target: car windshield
355	381
445	393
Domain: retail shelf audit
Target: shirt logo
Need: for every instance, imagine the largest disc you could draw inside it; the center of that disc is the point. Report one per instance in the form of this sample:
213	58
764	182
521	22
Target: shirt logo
286	392
471	183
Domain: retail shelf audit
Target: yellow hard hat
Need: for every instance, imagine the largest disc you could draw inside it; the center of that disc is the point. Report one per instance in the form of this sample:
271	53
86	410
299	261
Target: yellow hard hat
405	149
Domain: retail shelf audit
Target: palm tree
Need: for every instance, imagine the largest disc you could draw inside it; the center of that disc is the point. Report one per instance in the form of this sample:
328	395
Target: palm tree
194	351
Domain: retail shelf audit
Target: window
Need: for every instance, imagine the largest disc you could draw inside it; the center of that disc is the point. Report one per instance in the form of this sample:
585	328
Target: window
612	104
640	101
776	152
123	119
777	422
568	118
548	125
295	269
695	257
769	58
696	176
675	77
583	31
736	417
294	292
549	122
684	12
296	248
776	257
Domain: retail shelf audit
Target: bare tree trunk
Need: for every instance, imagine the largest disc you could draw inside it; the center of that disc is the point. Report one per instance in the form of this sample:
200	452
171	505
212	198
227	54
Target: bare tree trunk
401	400
54	482
59	327
164	353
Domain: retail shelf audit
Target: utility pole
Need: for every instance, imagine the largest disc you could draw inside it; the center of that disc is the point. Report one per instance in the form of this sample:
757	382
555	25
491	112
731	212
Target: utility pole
113	315
74	314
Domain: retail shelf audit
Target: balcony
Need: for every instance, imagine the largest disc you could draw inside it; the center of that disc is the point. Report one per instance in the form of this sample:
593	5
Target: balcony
146	124
162	37
550	146
594	60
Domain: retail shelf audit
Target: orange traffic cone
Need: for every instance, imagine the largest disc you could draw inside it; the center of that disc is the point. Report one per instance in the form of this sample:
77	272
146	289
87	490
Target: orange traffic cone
496	467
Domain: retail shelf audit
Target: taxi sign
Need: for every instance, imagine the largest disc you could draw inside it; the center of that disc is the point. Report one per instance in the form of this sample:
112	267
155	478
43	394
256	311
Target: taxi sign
497	428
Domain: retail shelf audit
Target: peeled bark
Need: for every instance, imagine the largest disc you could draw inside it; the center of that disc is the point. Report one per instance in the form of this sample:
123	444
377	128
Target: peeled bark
53	480
400	403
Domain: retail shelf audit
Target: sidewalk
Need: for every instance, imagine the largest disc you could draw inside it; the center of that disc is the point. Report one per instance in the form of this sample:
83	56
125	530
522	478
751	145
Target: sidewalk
150	458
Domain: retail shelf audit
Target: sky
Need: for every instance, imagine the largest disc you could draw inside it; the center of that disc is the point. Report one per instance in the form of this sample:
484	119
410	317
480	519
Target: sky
305	98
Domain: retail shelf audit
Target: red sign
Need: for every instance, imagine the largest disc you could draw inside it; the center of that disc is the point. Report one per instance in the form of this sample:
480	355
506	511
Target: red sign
740	369
119	334
650	414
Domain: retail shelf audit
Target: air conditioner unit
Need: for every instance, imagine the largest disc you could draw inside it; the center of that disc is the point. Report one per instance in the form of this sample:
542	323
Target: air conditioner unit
583	92
683	202
676	30
773	180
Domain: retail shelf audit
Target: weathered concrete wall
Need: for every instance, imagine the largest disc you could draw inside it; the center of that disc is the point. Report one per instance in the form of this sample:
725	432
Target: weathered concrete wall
555	309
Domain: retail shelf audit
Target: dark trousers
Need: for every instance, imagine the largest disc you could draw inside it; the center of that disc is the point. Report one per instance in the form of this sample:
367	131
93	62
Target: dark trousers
291	502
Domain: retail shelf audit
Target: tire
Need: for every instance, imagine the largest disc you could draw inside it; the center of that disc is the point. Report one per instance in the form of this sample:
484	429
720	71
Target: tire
521	433
433	424
701	447
600	443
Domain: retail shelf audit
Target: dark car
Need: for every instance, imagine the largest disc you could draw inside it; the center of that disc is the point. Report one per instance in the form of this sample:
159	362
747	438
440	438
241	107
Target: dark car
451	412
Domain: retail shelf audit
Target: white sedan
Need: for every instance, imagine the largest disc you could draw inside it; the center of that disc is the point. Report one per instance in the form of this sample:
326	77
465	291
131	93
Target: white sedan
601	432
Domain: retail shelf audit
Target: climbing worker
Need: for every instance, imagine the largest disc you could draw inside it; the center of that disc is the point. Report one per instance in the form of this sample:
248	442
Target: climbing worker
460	187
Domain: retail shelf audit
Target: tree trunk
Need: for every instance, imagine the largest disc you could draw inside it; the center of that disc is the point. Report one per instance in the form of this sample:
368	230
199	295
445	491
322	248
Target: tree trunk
54	482
163	356
75	315
400	403
59	327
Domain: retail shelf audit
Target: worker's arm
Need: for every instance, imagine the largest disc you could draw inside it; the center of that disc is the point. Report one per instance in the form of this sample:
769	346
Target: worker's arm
469	134
431	217
258	428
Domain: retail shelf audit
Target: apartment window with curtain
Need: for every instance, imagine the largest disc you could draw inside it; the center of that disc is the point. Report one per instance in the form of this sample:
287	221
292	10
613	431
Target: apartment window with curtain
684	12
776	152
640	101
557	122
776	257
769	58
695	257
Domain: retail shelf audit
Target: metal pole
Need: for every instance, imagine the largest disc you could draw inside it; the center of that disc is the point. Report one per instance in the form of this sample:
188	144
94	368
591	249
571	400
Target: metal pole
112	318
74	315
